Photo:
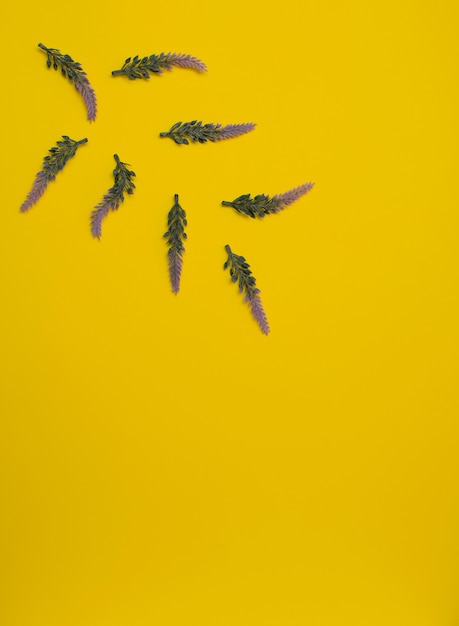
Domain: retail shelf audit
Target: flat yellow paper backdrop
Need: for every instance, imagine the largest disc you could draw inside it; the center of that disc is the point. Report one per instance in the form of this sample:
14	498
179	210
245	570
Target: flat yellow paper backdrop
162	461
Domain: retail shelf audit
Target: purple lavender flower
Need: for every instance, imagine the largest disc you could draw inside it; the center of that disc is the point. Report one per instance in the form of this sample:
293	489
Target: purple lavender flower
289	197
74	72
175	269
53	163
262	205
115	195
100	213
240	272
234	130
89	97
184	132
186	60
176	222
156	63
257	310
38	189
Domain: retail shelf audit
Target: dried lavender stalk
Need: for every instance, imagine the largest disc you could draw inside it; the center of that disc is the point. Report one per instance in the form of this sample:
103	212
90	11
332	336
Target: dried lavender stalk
240	272
176	222
115	195
53	163
262	205
74	72
156	63
184	132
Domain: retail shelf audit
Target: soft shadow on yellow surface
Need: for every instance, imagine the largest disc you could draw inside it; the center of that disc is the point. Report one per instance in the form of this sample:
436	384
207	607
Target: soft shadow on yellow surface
162	461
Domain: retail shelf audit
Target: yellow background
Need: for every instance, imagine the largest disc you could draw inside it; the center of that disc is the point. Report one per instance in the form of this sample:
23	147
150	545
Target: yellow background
162	461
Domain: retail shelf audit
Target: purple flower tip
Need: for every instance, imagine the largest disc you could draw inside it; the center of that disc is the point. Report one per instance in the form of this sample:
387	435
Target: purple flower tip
289	197
186	60
175	269
87	92
234	130
97	216
38	189
258	311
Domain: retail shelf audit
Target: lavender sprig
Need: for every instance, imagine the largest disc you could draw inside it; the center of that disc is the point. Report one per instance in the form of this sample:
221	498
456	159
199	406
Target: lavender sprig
156	63
262	205
115	195
74	72
184	132
240	272
176	222
53	163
